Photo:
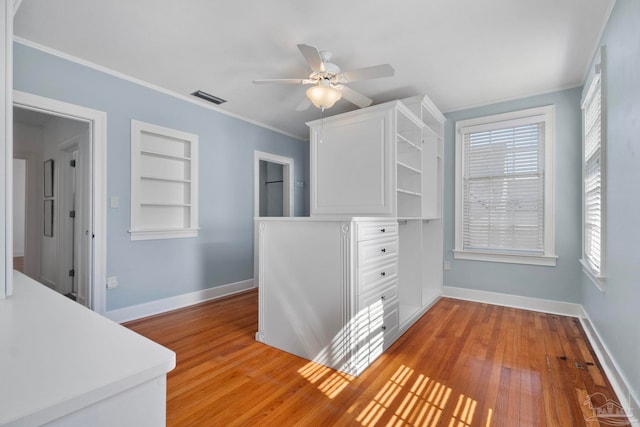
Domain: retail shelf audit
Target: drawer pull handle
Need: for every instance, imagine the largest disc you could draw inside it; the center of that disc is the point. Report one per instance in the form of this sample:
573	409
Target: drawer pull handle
384	328
383	274
383	250
382	230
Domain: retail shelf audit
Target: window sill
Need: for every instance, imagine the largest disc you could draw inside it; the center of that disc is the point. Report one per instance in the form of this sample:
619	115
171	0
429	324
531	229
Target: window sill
543	260
598	281
153	234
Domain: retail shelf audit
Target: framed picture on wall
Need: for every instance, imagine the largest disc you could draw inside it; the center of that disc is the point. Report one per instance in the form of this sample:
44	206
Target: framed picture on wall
48	178
48	218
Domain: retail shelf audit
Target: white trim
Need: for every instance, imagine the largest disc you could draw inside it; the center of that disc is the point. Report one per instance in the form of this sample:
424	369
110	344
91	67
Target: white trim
6	150
288	174
547	261
516	301
620	384
179	301
98	123
549	257
598	281
152	86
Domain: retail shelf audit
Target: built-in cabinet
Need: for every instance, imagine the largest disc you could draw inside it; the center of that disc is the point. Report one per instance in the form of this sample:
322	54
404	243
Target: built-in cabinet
387	160
328	288
339	289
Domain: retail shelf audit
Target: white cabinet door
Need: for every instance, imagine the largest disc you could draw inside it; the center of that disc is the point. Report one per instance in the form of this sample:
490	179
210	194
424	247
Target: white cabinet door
351	165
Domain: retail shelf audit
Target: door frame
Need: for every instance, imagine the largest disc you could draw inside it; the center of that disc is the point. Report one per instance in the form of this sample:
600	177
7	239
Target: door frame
97	218
287	178
287	195
7	10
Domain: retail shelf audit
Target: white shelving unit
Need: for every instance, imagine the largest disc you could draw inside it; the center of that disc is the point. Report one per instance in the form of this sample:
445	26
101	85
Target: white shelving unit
409	167
432	191
340	290
164	190
386	160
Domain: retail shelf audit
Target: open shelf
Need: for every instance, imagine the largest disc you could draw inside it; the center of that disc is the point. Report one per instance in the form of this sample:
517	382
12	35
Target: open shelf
164	178
406	166
164	155
164	187
409	204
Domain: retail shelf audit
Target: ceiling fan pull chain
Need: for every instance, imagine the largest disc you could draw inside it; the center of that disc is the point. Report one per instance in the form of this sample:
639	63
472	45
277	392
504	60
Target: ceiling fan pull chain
321	123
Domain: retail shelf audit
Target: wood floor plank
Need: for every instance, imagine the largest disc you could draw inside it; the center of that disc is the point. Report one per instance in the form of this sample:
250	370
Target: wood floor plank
462	364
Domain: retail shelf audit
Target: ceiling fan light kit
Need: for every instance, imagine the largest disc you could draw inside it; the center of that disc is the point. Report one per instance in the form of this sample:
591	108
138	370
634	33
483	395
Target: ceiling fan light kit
329	81
323	95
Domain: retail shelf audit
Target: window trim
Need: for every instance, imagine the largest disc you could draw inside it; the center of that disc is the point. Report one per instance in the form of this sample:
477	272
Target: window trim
549	258
597	75
137	229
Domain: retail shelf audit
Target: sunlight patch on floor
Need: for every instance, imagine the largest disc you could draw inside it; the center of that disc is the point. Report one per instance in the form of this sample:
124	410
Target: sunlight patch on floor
414	399
331	382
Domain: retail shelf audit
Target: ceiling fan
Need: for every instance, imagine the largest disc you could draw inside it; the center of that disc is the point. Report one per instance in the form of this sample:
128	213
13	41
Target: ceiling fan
329	81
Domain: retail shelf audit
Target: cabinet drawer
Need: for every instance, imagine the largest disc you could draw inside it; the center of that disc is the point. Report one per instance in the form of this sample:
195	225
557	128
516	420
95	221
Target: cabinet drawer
374	230
390	326
383	295
377	251
372	277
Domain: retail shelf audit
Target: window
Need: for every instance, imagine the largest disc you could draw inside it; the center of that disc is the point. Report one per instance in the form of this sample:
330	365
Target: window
504	188
164	182
592	185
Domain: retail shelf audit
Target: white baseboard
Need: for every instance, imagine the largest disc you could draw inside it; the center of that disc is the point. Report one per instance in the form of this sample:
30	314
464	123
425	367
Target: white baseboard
618	381
515	301
167	304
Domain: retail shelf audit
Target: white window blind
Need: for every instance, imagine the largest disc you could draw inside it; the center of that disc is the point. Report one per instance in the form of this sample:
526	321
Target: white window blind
592	197
503	184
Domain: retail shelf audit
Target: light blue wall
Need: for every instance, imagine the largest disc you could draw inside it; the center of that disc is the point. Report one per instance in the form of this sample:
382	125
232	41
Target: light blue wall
562	282
616	313
223	251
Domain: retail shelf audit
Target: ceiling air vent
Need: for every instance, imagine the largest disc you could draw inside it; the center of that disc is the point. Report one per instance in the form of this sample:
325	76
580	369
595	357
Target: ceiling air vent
208	97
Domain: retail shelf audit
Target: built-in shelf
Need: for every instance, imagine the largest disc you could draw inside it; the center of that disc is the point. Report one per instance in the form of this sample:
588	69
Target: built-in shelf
162	178
178	205
164	155
164	171
410	193
410	168
413	144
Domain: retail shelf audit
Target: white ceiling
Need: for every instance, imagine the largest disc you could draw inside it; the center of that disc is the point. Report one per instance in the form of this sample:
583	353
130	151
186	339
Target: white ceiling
460	53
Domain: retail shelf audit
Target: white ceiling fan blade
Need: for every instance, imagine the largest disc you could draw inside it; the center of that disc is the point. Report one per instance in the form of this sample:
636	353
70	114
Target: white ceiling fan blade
354	97
304	104
375	72
282	81
312	56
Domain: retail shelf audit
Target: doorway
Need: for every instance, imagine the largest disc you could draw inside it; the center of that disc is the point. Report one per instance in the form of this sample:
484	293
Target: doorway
271	189
68	255
54	210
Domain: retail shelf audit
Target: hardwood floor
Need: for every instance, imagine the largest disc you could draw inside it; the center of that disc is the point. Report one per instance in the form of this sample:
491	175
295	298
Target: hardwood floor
18	263
462	364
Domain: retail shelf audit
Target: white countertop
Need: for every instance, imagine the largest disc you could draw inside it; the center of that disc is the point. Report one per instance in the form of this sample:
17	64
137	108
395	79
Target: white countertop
57	356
